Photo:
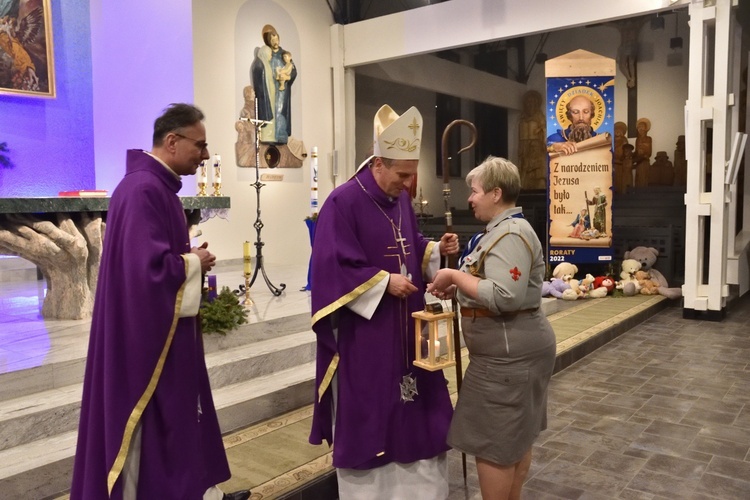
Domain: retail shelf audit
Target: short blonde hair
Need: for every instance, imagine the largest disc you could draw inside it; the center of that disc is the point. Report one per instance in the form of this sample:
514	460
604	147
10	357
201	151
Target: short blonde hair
496	172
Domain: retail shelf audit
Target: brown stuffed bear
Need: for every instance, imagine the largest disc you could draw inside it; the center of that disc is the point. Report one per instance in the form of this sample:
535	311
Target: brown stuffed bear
648	286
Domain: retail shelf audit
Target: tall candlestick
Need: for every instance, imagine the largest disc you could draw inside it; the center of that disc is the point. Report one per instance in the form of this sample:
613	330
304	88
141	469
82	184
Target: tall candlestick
314	182
247	264
217	175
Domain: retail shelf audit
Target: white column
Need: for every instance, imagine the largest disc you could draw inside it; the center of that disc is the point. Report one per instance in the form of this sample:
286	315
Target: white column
707	204
343	109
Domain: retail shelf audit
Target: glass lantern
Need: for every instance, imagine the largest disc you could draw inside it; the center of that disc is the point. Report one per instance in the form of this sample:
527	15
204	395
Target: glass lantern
434	347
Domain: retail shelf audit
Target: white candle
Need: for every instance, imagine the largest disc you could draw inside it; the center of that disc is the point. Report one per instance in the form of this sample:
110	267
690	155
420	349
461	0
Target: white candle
314	181
202	176
217	169
437	348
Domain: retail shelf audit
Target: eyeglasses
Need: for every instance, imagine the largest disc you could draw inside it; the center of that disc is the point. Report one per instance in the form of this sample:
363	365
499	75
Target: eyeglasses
198	144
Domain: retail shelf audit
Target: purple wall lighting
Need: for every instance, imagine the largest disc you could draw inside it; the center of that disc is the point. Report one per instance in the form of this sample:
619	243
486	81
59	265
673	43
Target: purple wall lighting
51	140
117	66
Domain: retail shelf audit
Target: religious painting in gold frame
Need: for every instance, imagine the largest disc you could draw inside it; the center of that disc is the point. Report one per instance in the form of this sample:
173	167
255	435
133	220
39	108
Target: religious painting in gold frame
27	65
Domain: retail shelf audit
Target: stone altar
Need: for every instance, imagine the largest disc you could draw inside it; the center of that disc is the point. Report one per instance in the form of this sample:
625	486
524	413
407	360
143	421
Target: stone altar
63	236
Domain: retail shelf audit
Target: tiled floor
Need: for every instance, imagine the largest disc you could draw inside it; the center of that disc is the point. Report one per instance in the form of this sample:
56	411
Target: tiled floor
661	412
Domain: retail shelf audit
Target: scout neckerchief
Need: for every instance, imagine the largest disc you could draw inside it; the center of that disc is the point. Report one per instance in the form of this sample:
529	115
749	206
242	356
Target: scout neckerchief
474	241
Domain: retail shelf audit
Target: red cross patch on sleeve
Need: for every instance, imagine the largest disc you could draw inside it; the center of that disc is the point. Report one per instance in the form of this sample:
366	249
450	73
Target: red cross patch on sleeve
515	273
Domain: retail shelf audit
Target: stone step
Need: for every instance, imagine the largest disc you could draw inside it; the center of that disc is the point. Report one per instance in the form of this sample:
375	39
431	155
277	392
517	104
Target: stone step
260	369
256	331
38	469
69	340
42	415
230	366
251	401
44	467
40	356
57	410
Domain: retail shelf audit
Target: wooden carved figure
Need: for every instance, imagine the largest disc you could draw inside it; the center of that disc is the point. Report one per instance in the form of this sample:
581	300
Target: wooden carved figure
662	171
642	156
532	152
628	172
622	174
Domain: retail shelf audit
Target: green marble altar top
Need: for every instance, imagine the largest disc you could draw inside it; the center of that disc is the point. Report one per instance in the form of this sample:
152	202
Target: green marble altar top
92	204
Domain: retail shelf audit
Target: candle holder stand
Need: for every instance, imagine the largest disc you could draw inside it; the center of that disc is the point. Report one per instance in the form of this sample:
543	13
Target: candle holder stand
248	301
258	225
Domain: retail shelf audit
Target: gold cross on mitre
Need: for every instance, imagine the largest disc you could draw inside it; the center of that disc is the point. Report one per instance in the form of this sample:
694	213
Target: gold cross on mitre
414	126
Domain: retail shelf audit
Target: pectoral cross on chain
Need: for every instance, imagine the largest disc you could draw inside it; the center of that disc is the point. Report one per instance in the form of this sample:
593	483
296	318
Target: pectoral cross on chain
400	240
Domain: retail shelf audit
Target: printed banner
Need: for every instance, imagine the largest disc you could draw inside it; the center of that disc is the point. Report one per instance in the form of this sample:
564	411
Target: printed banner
580	113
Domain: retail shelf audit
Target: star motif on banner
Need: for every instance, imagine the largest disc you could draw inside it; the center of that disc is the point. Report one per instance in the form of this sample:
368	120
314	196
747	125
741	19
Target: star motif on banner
408	388
515	273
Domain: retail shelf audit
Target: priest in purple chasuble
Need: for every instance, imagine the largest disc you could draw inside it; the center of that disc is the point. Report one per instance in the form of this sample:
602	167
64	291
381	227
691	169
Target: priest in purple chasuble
148	426
386	419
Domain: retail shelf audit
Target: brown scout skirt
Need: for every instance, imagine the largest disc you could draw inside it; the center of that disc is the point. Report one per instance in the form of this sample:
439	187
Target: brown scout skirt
502	405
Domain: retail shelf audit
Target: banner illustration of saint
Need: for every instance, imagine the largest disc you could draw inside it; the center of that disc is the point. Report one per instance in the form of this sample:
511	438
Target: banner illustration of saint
580	120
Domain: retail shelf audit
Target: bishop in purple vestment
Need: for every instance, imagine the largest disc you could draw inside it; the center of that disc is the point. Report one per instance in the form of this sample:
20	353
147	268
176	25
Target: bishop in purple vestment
369	265
148	426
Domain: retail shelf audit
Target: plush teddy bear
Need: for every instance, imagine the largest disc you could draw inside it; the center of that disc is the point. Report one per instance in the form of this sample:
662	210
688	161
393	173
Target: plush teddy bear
587	284
647	285
647	256
564	268
556	288
602	286
566	272
575	286
628	284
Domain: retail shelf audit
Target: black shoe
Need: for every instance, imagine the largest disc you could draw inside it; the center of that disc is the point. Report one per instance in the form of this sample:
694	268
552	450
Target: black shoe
237	495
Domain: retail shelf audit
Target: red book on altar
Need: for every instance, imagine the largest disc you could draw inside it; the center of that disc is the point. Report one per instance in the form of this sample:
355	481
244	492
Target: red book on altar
84	193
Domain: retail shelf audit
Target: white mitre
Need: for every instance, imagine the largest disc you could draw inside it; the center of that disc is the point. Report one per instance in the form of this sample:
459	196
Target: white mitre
397	137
